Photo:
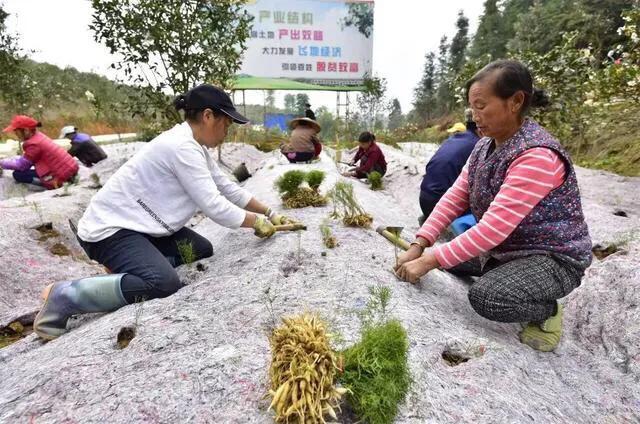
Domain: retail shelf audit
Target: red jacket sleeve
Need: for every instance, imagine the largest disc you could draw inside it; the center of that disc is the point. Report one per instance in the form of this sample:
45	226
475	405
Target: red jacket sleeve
358	155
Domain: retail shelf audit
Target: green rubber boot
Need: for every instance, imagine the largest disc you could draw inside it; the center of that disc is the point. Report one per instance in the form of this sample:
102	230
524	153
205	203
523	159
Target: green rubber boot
67	298
545	336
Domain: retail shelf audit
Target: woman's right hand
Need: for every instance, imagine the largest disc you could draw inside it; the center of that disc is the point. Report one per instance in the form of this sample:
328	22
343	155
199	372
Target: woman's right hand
414	252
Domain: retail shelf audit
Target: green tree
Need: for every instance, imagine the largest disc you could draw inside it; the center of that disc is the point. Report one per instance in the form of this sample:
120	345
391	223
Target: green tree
458	48
443	78
290	103
16	85
360	16
372	100
301	100
594	23
270	99
168	46
424	99
328	123
396	120
489	38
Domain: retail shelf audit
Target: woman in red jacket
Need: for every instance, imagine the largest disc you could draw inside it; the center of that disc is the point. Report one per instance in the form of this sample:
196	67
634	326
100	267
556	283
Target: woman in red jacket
53	165
370	156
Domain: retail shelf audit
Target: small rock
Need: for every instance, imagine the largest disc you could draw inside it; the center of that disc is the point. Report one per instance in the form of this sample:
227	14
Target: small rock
619	212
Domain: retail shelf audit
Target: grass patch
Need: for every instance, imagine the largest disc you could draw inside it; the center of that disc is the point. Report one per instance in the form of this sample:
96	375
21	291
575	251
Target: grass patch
263	140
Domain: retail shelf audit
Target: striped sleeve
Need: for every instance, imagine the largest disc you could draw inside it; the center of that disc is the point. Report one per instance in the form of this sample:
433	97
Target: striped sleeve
529	179
454	202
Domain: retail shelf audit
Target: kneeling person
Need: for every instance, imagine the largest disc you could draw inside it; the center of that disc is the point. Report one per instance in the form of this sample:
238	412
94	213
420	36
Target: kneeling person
304	144
135	223
370	156
83	147
43	163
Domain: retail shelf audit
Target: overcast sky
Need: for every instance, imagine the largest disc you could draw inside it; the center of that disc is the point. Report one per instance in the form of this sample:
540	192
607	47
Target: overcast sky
404	31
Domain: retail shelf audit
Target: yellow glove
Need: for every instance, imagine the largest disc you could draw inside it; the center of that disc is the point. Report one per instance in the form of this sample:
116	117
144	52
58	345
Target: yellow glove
279	219
263	228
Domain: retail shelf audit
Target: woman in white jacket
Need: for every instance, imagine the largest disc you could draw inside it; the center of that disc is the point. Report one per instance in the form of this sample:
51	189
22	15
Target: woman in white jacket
134	224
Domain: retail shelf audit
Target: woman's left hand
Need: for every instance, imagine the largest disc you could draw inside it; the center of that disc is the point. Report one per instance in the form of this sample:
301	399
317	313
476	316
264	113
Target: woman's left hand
413	270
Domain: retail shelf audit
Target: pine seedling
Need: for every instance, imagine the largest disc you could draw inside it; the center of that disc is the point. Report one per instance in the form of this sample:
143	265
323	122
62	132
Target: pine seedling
375	180
186	251
315	178
327	237
352	213
290	181
376	369
294	196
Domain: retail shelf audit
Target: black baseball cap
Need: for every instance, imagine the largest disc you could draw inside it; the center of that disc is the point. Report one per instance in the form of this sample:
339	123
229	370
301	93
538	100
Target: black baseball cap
207	96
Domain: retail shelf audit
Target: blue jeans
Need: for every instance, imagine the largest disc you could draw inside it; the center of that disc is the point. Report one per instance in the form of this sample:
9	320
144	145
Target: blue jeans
148	262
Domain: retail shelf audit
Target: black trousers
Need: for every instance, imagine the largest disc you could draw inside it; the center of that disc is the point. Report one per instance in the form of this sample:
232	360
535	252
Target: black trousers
148	262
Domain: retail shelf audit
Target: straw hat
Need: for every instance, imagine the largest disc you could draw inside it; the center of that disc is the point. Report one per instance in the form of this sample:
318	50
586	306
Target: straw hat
457	127
310	122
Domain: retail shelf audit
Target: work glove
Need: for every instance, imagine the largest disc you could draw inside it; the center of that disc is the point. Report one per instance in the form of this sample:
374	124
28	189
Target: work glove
277	219
263	228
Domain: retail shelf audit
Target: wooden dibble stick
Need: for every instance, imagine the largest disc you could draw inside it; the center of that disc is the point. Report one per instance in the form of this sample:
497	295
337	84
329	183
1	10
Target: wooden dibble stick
291	227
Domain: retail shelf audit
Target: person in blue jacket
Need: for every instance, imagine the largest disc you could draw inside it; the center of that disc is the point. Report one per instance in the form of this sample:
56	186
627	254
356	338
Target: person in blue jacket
447	163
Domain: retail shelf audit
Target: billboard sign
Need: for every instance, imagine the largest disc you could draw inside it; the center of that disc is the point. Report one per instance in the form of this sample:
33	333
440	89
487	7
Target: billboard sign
308	44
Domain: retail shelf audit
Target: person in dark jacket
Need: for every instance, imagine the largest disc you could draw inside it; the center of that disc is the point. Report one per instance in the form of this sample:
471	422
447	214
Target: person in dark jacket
83	147
446	164
308	113
370	156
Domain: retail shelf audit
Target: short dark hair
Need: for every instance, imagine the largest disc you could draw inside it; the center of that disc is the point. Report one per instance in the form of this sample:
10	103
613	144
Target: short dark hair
511	76
366	137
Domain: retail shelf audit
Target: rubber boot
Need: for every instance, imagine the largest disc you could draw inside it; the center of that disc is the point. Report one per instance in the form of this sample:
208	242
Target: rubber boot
67	298
545	336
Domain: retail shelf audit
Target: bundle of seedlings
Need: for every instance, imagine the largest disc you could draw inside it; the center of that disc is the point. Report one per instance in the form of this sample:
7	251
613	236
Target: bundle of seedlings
303	372
376	370
352	213
328	238
294	195
375	180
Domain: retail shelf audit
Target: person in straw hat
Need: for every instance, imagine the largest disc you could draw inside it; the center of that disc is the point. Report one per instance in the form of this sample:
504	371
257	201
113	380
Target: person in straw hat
304	144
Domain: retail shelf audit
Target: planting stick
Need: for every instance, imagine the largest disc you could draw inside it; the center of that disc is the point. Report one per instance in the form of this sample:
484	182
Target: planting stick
291	227
401	243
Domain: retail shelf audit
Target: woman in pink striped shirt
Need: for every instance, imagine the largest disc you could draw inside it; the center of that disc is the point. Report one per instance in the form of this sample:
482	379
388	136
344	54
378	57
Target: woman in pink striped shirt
531	245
